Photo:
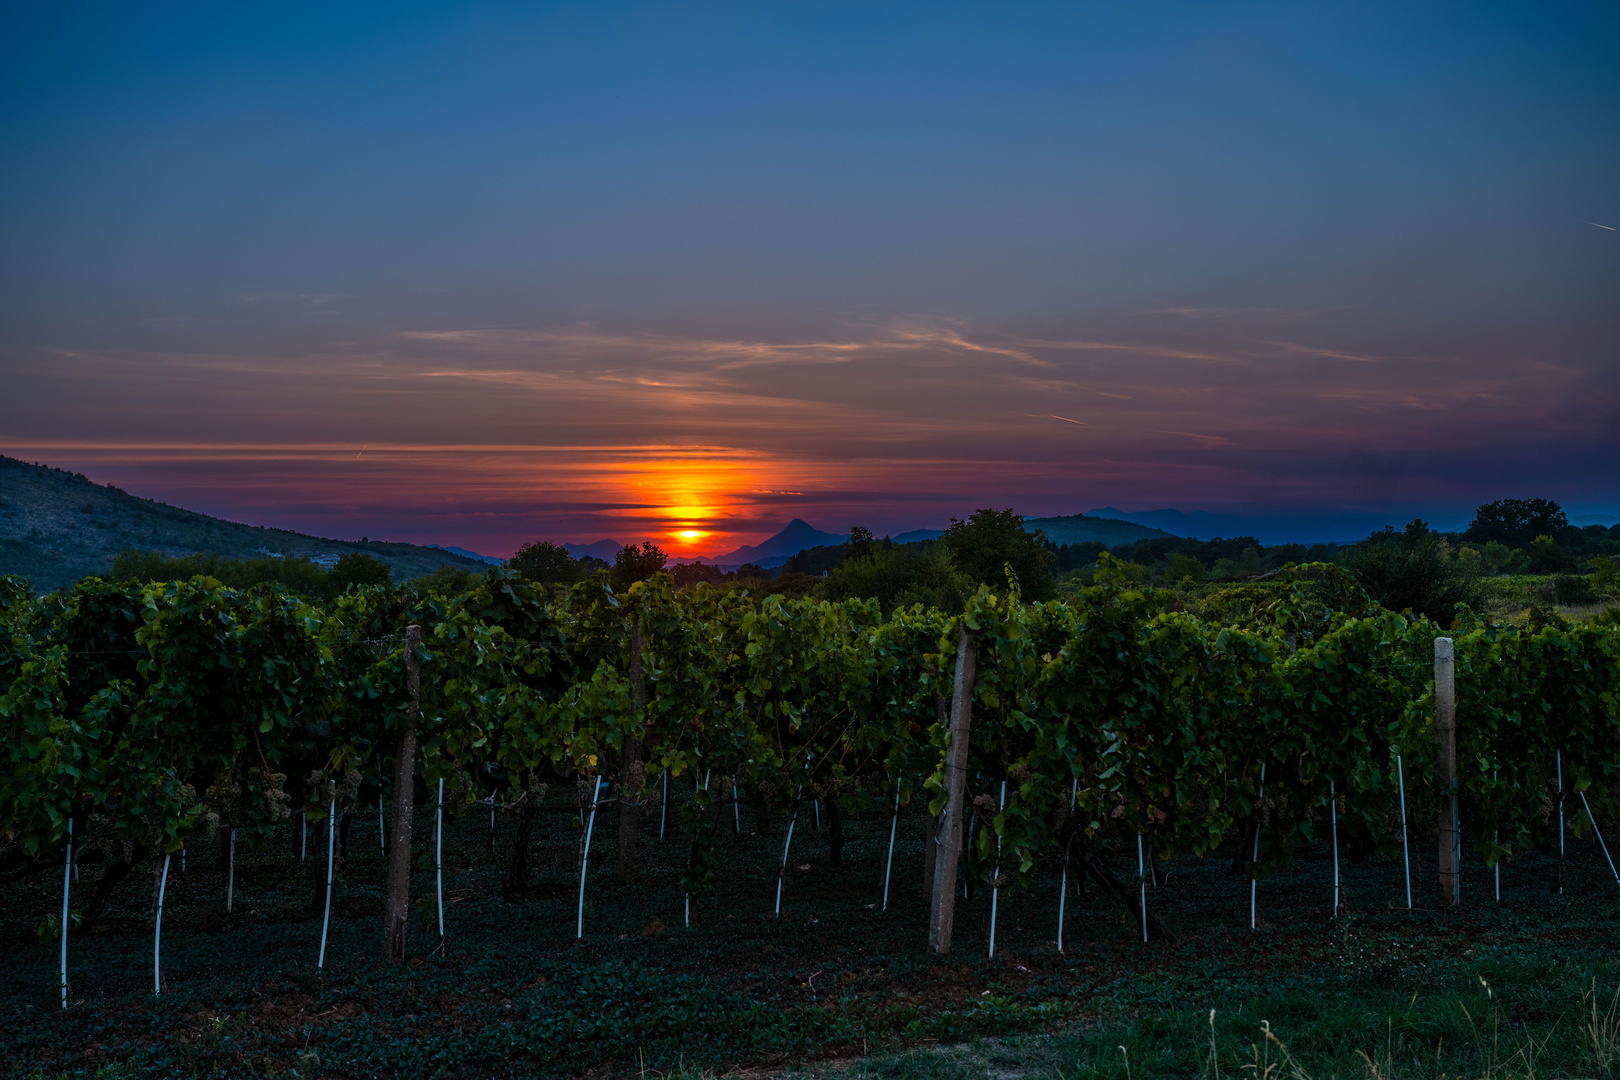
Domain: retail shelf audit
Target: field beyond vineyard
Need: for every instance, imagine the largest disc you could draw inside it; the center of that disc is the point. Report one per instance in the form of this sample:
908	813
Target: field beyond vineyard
834	984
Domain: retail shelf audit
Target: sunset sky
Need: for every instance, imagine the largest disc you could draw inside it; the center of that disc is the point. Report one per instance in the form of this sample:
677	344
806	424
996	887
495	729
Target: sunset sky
480	274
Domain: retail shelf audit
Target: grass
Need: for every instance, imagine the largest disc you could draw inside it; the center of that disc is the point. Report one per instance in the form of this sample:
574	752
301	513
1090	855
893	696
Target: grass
836	987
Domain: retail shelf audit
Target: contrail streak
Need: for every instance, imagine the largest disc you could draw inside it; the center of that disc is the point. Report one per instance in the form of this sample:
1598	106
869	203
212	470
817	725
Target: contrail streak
1609	227
1066	420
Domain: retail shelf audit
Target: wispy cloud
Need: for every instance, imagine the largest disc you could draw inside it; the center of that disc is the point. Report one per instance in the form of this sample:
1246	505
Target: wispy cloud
590	430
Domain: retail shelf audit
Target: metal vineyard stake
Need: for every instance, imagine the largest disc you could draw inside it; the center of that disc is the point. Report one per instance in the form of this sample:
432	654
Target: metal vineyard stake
67	882
585	857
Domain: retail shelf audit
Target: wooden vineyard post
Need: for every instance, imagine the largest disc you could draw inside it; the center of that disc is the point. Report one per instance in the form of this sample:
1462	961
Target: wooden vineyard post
398	896
1445	733
948	836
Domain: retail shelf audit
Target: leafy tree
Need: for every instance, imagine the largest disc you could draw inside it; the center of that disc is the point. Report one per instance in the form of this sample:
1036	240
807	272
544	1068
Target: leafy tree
300	575
1183	567
1516	522
860	542
357	568
697	573
634	564
991	540
448	580
900	576
1407	569
546	563
1546	557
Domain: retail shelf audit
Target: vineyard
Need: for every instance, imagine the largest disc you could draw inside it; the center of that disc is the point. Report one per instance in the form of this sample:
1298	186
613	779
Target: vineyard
1100	738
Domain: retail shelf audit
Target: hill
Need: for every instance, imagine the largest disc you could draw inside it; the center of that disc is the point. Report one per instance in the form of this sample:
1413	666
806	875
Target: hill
58	526
1081	529
602	549
795	537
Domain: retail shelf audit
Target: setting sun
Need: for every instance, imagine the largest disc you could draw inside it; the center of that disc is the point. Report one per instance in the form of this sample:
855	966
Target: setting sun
690	534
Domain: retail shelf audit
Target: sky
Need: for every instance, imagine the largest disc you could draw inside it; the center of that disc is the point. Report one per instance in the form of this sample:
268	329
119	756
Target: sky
483	274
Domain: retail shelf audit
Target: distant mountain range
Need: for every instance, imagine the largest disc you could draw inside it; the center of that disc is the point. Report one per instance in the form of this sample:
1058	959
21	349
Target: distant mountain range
602	549
1092	528
58	526
797	535
488	560
1268	529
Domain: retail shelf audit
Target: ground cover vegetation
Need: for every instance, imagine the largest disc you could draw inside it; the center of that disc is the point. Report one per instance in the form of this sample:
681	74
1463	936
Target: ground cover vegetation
1109	736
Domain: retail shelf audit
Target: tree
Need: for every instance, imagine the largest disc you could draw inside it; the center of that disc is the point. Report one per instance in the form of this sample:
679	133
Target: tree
1546	557
859	544
634	564
357	568
984	545
1408	569
1516	522
545	563
447	580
